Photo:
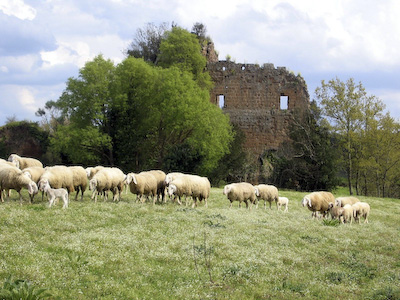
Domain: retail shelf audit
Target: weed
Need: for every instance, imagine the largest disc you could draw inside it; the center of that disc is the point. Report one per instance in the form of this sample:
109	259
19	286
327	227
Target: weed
22	289
331	222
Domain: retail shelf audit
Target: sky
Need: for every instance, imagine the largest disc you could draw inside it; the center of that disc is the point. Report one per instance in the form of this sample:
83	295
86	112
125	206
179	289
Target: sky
43	43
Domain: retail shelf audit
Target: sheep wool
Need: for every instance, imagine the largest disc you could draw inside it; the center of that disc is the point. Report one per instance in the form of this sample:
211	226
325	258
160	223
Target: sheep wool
190	185
267	193
24	162
342	201
242	192
318	202
14	178
142	184
361	209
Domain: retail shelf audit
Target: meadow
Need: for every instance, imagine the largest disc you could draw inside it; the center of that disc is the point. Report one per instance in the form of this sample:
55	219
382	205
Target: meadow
128	250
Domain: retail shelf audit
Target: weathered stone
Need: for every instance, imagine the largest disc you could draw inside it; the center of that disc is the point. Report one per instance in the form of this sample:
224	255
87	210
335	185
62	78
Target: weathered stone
260	100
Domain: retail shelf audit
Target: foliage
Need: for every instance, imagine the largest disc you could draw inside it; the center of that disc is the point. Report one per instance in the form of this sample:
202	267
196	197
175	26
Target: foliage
21	289
309	161
146	43
128	250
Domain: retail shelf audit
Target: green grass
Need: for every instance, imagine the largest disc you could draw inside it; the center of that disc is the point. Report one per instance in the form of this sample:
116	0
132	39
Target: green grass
128	250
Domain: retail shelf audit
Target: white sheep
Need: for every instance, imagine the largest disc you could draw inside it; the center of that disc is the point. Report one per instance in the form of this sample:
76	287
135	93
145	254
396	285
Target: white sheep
267	193
189	185
24	162
14	178
318	202
6	163
80	180
361	209
336	212
170	177
107	179
342	201
161	185
242	192
348	213
283	201
58	177
53	194
34	173
91	171
142	184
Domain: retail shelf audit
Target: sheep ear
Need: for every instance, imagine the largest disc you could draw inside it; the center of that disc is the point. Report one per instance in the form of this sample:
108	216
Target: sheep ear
309	202
134	179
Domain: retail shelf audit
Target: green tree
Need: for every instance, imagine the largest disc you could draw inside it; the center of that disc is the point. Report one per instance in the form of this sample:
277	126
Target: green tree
182	49
309	161
342	102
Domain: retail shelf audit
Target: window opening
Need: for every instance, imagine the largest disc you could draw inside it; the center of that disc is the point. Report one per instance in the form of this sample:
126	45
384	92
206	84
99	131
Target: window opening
284	102
221	101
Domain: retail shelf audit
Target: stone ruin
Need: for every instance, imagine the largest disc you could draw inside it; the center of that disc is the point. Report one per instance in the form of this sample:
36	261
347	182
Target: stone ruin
260	100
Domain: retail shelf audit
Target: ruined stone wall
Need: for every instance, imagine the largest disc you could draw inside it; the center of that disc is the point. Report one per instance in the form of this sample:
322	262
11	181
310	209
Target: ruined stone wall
252	97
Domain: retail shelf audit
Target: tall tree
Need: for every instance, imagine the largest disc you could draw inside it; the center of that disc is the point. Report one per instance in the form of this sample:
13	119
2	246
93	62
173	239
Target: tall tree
146	42
342	102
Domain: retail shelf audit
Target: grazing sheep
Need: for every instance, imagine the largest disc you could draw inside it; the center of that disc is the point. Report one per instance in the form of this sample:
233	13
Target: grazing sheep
34	173
80	180
160	176
241	192
58	177
361	209
348	213
318	202
172	176
267	193
188	185
336	212
91	171
142	184
14	178
283	201
52	194
342	201
107	179
24	162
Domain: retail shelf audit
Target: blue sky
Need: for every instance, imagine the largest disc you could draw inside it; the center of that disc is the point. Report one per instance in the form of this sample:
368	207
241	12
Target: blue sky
43	43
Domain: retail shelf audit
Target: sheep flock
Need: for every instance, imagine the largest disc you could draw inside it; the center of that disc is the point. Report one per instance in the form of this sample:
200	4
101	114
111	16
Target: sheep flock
155	186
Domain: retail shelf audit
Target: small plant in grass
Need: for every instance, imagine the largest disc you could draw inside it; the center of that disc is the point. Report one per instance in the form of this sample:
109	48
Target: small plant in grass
331	222
22	289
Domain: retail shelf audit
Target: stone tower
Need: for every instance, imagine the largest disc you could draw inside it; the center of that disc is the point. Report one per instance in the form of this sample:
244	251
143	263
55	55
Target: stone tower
259	99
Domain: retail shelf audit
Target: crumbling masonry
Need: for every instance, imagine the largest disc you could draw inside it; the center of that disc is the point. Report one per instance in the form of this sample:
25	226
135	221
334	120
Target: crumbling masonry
260	100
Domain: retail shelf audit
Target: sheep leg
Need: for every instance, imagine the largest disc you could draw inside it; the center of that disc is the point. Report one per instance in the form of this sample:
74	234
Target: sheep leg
230	206
51	201
65	201
286	208
247	204
77	192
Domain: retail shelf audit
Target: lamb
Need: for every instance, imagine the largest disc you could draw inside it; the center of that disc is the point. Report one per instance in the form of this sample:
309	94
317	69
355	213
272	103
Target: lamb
241	192
361	209
107	179
267	193
52	194
348	213
318	202
34	173
283	201
142	184
80	180
24	162
342	201
188	185
336	212
14	178
58	177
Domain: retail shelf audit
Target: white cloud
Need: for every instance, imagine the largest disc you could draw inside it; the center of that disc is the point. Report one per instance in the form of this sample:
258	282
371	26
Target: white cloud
18	8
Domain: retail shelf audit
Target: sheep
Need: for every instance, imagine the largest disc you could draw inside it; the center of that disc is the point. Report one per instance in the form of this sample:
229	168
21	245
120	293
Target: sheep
283	201
347	213
24	162
34	173
336	212
58	177
342	201
6	163
188	185
318	202
142	184
107	179
160	176
267	193
91	171
241	192
361	209
80	180
14	178
172	176
52	194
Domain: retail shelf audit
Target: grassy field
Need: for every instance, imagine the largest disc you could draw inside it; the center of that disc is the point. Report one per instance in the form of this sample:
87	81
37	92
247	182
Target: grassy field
128	250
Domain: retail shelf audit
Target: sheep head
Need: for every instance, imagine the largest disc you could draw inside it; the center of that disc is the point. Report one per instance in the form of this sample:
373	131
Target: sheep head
92	184
42	184
171	189
32	188
257	192
227	189
306	201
